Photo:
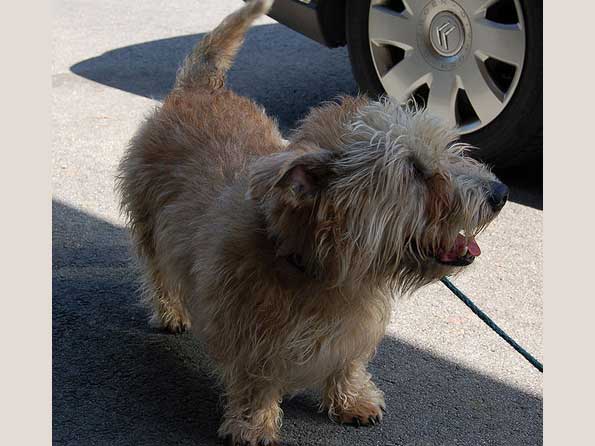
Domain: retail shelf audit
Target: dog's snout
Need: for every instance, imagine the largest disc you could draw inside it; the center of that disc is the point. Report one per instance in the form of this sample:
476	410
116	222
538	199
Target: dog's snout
498	195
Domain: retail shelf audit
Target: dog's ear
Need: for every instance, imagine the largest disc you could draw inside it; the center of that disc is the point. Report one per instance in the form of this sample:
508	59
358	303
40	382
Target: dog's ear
298	175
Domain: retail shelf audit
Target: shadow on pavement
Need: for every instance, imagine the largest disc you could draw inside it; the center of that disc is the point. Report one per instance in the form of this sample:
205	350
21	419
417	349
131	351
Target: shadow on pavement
279	68
118	382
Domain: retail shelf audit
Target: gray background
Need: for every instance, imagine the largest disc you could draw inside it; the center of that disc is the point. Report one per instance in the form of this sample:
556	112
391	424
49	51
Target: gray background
448	379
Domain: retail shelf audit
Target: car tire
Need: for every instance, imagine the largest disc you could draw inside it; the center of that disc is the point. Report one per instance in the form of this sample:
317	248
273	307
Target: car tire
514	136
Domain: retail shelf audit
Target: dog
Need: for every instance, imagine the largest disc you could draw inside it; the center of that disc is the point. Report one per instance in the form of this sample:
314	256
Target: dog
284	258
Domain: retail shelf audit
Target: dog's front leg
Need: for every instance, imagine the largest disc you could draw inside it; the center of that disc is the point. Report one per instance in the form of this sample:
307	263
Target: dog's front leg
253	413
351	397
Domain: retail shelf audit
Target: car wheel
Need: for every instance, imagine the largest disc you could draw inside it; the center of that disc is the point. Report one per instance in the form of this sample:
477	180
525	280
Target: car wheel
475	63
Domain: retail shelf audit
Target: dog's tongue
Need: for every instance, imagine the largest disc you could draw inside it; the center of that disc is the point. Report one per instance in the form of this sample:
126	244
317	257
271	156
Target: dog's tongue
473	247
459	247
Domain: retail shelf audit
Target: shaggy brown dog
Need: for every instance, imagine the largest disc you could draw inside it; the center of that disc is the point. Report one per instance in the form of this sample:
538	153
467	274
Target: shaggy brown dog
285	259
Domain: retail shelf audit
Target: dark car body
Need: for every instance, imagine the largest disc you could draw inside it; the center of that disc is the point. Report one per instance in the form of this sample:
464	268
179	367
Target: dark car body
322	20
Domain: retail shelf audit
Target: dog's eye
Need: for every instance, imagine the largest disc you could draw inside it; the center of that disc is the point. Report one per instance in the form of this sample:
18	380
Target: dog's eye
420	171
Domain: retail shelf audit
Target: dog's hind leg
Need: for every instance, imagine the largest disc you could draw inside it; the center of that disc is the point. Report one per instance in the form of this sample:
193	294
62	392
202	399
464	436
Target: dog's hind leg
165	302
352	398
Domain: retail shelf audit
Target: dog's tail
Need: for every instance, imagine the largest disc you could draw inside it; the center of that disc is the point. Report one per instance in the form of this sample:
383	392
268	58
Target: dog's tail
210	59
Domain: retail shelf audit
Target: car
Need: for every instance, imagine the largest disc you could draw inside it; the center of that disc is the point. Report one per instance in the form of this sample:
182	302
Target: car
475	63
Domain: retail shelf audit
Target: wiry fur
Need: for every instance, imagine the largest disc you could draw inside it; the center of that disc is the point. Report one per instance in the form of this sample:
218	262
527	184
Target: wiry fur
284	259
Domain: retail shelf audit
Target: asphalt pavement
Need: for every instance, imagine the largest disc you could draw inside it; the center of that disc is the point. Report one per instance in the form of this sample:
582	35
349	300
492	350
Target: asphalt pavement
448	379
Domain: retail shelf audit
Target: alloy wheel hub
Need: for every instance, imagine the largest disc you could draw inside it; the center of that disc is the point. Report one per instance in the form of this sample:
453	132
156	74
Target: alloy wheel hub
444	34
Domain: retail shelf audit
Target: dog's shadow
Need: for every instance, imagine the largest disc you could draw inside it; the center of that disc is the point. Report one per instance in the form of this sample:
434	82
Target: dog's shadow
118	382
279	68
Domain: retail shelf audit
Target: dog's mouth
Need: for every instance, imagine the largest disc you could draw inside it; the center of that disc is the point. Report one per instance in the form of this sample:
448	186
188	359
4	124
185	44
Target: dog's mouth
462	253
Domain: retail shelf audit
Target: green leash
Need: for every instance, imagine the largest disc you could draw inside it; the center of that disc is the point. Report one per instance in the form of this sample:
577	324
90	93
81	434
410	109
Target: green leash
490	323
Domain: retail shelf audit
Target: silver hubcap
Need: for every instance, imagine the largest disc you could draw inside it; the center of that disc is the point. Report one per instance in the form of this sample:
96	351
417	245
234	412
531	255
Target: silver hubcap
446	34
463	58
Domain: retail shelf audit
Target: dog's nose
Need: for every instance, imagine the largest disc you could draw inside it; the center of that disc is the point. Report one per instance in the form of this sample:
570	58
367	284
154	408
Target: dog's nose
498	195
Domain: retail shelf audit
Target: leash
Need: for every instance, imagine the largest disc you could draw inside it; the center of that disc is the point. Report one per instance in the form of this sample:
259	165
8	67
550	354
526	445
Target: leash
490	323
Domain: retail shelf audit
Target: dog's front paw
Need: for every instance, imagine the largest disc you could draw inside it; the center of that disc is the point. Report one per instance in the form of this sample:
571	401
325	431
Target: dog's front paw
354	399
364	413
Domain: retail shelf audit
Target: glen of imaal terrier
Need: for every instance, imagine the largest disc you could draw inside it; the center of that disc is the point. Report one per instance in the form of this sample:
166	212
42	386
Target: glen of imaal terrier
285	257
